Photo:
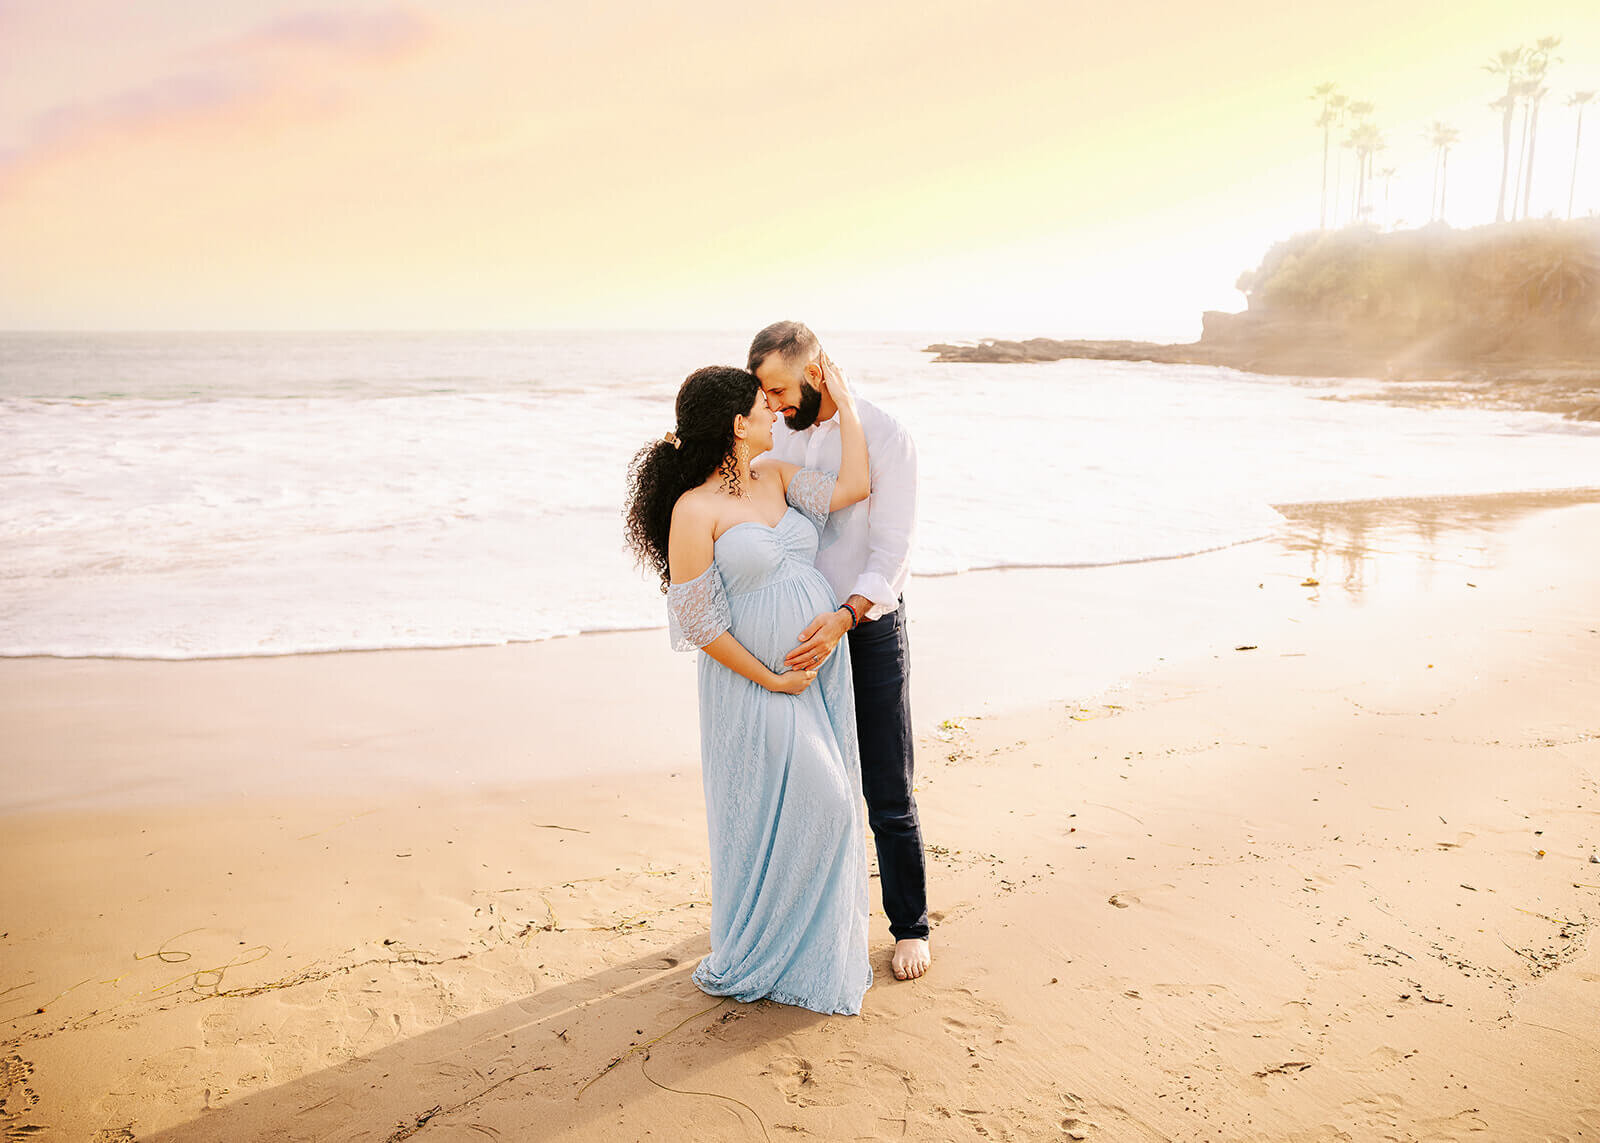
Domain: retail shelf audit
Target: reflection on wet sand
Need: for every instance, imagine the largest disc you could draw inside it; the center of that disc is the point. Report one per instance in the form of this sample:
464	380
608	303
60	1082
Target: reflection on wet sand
1354	545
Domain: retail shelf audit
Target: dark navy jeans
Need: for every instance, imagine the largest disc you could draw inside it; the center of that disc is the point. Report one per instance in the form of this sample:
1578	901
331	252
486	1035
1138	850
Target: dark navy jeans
880	666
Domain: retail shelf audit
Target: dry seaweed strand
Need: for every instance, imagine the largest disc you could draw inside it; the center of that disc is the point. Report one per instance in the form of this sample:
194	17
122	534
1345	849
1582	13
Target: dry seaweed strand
635	920
166	955
304	976
711	1094
311	975
407	1130
1553	920
209	990
644	1071
204	989
642	1047
214	987
529	928
40	1008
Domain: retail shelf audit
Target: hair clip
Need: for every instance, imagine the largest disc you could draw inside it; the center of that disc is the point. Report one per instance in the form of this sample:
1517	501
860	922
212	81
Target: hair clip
672	439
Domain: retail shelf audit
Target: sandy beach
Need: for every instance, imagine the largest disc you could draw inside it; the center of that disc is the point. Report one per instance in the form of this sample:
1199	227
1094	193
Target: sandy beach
1291	841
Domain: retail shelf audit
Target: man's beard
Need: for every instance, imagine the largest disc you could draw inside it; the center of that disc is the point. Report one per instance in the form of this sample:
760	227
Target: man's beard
805	413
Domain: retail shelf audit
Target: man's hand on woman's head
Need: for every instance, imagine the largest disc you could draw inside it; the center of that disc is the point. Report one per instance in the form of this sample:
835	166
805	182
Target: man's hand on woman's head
834	381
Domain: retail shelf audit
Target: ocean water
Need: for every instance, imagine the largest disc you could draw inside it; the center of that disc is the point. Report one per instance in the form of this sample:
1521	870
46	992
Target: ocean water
198	495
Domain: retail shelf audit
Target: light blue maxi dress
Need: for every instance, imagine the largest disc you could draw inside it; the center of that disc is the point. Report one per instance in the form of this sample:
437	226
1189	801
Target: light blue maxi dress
782	773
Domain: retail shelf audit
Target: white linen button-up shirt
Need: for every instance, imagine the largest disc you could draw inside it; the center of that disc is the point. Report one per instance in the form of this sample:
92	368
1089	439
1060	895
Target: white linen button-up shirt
865	548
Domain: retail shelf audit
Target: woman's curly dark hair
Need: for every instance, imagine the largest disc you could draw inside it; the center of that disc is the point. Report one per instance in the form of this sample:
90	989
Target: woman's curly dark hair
708	401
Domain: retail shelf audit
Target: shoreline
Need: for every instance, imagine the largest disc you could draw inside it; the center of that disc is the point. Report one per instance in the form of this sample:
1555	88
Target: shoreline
1568	387
324	948
426	719
1520	498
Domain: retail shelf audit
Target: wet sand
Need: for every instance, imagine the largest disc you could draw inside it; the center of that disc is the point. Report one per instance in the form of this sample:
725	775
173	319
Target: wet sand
1286	842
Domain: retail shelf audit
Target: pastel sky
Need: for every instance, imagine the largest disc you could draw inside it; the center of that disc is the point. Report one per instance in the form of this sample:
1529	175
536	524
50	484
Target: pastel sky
1066	169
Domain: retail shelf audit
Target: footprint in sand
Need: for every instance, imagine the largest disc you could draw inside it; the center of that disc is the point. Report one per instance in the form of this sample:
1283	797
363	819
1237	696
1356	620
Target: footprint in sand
1122	898
14	1071
1073	1125
218	1028
972	1037
16	1098
797	1080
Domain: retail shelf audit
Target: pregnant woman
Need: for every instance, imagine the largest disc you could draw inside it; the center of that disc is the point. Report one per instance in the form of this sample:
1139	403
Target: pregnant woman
733	539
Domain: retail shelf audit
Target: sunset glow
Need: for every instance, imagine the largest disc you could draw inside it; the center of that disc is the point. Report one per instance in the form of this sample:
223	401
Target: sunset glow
1015	168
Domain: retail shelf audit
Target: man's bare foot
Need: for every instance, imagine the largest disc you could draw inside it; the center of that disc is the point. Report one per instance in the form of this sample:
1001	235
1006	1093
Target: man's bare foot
911	958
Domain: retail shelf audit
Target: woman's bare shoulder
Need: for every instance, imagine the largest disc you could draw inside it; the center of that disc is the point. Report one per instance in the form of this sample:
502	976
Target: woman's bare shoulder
695	502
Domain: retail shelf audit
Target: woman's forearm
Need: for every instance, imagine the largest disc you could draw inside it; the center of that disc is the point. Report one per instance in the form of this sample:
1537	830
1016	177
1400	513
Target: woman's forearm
734	655
854	481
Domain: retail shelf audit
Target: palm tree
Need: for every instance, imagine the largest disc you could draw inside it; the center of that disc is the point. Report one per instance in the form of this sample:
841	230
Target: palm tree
1341	115
1578	100
1360	141
1442	137
1534	97
1365	140
1374	144
1509	64
1387	174
1332	104
1524	90
1538	63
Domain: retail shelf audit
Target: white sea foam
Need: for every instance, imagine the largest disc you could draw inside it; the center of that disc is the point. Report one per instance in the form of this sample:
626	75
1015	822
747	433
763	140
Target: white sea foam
182	496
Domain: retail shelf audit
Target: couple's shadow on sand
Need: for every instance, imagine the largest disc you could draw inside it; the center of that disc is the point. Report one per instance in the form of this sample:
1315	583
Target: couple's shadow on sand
552	1062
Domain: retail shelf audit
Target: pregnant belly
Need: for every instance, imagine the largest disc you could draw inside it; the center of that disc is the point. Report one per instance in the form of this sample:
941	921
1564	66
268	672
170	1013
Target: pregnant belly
769	620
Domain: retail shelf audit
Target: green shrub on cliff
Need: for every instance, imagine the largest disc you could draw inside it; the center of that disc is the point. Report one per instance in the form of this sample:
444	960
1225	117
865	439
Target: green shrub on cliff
1509	287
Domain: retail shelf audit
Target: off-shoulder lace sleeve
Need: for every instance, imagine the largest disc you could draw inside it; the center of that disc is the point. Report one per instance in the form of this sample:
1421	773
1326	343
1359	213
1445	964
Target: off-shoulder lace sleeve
697	611
810	490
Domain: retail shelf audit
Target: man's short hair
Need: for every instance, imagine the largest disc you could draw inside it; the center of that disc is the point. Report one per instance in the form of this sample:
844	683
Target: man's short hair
790	340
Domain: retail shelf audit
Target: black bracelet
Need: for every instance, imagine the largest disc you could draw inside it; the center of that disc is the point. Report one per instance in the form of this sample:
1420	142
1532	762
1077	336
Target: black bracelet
854	618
